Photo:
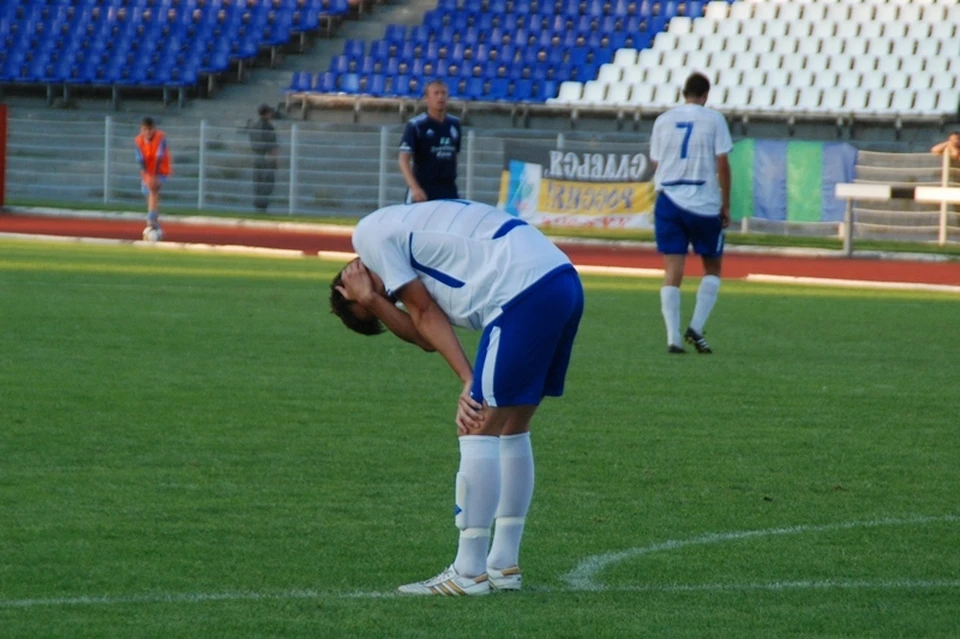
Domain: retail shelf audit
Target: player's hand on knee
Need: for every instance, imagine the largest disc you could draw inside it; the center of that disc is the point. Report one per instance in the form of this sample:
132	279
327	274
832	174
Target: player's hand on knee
469	411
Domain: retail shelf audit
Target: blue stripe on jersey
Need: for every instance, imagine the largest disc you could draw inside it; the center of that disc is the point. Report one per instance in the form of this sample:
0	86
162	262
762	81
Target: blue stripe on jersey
440	276
507	227
684	183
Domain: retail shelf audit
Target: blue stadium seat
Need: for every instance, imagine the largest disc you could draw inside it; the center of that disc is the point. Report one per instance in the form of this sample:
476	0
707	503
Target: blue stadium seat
301	82
326	82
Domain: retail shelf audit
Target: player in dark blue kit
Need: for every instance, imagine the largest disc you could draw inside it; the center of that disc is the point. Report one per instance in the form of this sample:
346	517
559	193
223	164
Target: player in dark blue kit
432	141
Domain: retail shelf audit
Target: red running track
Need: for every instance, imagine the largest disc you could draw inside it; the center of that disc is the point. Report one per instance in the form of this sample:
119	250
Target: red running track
735	265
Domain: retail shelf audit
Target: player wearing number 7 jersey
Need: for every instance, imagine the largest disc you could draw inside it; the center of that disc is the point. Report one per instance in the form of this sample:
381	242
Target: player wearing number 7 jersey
689	147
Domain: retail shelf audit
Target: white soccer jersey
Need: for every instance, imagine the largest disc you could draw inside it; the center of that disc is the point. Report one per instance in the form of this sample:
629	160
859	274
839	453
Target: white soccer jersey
685	143
471	257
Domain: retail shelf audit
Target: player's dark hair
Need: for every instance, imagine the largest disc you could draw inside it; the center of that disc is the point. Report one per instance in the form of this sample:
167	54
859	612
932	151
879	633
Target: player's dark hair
147	122
341	307
696	86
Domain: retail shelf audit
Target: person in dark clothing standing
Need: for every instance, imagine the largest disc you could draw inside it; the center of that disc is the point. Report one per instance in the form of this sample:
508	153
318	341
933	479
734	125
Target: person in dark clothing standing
432	141
263	141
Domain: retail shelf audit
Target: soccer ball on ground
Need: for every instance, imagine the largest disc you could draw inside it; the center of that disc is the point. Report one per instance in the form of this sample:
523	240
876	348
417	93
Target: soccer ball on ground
152	234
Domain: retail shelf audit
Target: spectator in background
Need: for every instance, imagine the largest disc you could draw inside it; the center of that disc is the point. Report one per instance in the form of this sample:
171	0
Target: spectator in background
153	157
432	141
263	141
951	146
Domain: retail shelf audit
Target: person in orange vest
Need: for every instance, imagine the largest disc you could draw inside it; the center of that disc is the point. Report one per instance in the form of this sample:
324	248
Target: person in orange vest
153	156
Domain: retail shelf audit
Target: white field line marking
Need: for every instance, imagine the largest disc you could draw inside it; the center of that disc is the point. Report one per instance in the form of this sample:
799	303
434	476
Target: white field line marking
860	284
579	580
232	249
583	576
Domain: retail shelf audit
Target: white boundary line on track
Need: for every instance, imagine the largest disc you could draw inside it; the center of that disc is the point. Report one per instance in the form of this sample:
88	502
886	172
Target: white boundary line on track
841	283
346	256
581	579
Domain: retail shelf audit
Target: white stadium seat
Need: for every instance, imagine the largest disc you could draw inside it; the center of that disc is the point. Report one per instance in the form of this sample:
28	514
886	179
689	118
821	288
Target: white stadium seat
840	62
722	60
846	30
765	11
656	75
909	13
944	31
717	10
919	30
837	13
778	78
747	60
570	92
625	57
752	79
928	47
610	73
848	80
736	43
939	64
871	30
904	47
817	62
949	101
673	59
920	80
760	44
855	46
790	11
729	78
770	62
832	46
802	78
728	28
896	80
926	103
871	81
641	94
681	25
737	97
902	101
793	63
751	28
862	13
618	94
800	28
786	98
814	12
878	100
648	58
889	13
934	13
704	27
633	75
894	30
809	100
741	11
865	63
775	29
855	100
808	46
880	46
712	43
698	60
666	41
825	79
594	92
666	96
761	97
887	64
942	82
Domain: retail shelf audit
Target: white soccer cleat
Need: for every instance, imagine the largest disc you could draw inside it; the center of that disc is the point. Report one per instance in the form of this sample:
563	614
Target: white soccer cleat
449	583
506	579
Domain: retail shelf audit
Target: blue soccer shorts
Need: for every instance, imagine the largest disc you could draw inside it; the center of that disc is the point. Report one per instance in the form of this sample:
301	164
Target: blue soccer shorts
524	354
676	229
162	179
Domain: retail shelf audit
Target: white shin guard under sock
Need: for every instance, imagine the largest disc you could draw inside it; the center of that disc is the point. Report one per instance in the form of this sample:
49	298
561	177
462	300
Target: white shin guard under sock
516	492
670	307
479	490
706	298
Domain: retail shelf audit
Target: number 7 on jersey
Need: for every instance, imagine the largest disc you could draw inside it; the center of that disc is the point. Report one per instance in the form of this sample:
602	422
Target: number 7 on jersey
688	127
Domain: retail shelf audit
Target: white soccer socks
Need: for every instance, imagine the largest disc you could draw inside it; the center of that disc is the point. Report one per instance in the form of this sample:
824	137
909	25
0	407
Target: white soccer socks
706	298
516	492
670	307
478	491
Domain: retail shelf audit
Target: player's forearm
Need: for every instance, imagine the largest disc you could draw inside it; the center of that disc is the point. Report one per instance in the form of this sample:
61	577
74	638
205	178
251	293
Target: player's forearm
407	171
938	148
397	322
723	178
435	328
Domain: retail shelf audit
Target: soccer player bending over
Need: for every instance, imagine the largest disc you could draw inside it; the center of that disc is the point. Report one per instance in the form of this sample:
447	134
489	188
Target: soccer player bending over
153	156
689	146
459	263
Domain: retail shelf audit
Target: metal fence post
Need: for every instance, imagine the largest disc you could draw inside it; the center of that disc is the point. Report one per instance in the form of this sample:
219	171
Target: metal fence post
294	132
471	139
382	184
944	182
107	151
560	141
848	229
202	169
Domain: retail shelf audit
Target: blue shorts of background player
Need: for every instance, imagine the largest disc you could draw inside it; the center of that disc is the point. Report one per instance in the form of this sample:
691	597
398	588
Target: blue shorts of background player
161	179
676	229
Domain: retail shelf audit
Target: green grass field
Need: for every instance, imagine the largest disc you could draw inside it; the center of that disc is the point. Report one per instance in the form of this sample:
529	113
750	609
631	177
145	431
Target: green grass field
192	446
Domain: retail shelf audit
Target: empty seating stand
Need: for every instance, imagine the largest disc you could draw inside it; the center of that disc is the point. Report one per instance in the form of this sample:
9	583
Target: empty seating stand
153	44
